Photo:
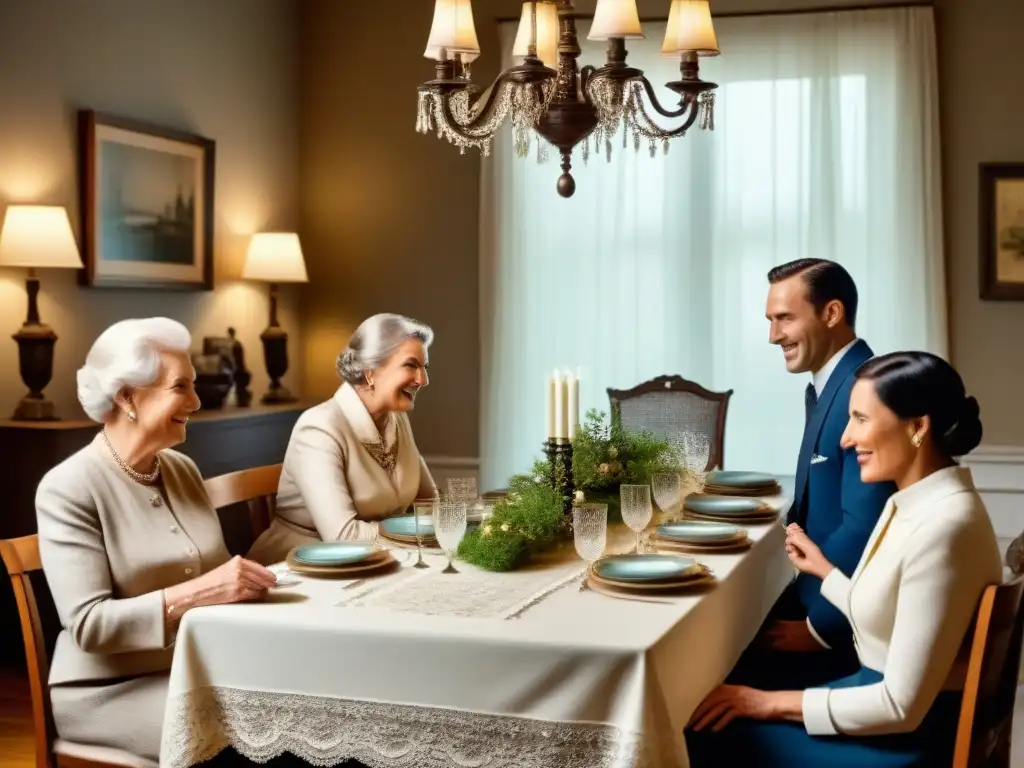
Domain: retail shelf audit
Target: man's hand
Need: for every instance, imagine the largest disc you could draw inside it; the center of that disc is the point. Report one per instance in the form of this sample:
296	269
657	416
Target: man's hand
789	637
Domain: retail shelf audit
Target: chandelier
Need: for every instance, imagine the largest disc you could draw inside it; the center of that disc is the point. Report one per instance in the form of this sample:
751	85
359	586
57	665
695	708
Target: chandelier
550	95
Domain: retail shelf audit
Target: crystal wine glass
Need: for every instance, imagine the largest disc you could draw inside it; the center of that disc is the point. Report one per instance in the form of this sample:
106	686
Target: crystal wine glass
667	488
422	510
636	508
590	533
698	450
449	528
462	489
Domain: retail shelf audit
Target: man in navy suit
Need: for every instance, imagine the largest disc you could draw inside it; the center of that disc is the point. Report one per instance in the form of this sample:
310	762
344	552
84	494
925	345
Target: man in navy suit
812	308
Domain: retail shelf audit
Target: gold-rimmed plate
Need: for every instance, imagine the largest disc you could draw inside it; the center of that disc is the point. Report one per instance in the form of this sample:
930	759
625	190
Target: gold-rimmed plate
705	577
740	545
379	562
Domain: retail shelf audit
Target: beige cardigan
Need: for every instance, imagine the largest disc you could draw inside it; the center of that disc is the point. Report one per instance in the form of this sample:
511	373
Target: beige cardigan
331	485
911	607
109	547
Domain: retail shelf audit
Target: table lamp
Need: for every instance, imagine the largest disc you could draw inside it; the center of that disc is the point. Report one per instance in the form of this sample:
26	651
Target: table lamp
275	257
36	237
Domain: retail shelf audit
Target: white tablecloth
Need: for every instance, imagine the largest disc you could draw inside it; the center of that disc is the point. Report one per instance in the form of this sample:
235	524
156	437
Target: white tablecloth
566	678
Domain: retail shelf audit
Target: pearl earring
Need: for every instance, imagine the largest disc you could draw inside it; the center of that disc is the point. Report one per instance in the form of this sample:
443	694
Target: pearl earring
132	416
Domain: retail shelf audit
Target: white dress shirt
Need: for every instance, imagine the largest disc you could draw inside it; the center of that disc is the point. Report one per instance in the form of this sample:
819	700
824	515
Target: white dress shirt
821	376
911	603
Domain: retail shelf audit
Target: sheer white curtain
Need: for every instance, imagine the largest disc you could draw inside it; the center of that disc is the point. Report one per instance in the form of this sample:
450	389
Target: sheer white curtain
826	144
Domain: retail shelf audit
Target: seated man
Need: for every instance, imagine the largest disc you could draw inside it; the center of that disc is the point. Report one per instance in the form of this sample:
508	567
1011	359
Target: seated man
812	307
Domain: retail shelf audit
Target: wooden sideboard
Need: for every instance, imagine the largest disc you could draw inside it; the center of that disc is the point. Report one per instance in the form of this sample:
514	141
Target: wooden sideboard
219	441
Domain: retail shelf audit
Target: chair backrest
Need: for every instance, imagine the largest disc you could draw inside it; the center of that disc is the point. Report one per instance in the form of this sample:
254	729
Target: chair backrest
986	715
256	488
671	405
21	558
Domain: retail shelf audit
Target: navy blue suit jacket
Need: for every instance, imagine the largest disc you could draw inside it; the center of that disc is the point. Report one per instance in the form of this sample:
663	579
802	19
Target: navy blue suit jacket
830	502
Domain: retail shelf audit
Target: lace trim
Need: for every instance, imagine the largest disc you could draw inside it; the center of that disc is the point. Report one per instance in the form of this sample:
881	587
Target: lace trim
326	731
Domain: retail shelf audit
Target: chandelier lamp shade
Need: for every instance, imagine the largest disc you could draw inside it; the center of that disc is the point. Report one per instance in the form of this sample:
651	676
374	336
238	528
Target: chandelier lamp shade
546	95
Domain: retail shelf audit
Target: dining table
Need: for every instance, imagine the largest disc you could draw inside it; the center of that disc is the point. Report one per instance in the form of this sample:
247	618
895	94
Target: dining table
522	669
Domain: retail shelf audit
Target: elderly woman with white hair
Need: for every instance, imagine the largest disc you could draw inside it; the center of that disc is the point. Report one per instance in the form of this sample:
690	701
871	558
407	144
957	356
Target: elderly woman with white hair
129	541
352	460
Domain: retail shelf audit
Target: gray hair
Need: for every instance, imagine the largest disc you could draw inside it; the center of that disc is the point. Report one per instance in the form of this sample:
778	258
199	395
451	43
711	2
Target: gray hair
127	354
374	341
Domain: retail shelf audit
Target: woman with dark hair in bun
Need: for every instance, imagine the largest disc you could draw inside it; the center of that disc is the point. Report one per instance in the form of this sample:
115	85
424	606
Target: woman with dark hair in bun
911	602
352	460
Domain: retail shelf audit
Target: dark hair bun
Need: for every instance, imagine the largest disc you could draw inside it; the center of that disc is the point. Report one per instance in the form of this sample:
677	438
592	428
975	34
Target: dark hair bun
965	433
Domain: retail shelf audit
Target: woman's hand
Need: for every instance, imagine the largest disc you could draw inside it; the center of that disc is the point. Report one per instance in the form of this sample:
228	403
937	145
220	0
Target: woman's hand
235	581
728	702
804	553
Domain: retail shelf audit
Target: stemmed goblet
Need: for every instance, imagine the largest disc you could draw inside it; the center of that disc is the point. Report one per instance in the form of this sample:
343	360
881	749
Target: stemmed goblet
636	509
449	528
667	488
422	508
590	533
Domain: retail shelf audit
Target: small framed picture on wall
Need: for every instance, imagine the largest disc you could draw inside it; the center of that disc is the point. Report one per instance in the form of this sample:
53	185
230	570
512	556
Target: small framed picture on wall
147	205
1001	231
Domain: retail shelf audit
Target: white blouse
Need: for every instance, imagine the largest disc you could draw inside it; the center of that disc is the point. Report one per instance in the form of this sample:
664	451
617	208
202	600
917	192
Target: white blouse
911	603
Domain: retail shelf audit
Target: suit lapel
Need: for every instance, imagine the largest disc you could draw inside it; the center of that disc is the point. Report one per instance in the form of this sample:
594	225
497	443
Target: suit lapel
853	358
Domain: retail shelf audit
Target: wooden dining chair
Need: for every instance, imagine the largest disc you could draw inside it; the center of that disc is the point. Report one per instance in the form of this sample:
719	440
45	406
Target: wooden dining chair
668	406
255	488
21	559
986	715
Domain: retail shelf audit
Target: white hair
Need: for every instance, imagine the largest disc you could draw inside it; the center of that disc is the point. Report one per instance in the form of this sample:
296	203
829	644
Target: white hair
374	341
127	354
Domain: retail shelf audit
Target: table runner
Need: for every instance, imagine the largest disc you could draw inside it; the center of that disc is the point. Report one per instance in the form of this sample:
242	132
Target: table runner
577	680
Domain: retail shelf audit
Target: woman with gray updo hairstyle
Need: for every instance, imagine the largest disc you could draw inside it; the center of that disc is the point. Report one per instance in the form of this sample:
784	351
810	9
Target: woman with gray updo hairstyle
352	460
129	542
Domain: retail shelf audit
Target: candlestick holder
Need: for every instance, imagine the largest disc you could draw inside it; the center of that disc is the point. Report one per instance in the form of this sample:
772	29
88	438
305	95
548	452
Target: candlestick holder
566	486
551	452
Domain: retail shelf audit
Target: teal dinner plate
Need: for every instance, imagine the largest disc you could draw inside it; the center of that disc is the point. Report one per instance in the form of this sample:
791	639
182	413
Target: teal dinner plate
333	552
723	505
738	479
640	568
406	525
698	531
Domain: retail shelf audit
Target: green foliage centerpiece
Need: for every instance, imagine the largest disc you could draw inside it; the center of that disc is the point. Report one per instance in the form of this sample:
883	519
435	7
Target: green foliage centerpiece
531	519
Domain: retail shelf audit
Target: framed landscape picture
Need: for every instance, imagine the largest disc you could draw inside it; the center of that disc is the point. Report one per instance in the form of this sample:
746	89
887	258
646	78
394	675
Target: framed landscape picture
147	205
1001	230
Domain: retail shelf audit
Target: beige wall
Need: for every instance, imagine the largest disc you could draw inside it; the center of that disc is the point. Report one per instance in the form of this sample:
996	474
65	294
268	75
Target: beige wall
390	216
980	61
227	69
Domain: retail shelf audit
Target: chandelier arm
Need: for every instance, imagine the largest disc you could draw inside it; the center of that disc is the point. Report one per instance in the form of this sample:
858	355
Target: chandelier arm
651	130
483	113
673	113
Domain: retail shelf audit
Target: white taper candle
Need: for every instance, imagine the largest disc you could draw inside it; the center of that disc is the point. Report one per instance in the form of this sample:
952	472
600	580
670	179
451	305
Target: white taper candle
551	407
574	404
560	405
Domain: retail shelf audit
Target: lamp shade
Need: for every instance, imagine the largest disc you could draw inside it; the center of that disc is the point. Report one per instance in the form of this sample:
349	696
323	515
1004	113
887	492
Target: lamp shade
275	257
452	30
547	32
615	18
690	29
38	236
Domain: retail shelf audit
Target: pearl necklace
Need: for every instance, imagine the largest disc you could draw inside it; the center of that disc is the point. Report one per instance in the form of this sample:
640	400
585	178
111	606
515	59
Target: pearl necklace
139	477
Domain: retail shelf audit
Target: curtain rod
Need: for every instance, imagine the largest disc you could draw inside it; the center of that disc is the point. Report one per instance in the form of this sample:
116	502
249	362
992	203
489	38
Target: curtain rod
789	12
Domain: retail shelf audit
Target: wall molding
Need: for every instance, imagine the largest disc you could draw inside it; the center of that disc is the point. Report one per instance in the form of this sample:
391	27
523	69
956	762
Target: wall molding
442	467
452	462
998	472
